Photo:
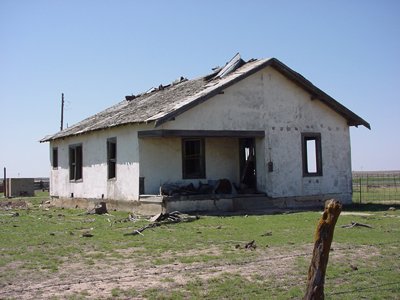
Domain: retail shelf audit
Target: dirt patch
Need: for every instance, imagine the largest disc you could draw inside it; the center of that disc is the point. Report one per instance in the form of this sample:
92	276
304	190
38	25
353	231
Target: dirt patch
342	254
98	280
212	251
355	213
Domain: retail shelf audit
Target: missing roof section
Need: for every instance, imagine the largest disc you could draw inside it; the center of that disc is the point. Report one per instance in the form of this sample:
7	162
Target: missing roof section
161	87
232	65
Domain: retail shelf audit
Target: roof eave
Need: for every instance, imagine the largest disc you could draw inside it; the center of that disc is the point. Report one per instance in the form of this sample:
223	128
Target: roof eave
360	122
57	136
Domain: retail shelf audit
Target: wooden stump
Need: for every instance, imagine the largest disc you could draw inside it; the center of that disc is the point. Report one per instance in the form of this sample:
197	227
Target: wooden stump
322	246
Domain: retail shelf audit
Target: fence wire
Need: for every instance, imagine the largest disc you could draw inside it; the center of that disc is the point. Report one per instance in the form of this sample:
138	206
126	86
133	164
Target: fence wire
376	187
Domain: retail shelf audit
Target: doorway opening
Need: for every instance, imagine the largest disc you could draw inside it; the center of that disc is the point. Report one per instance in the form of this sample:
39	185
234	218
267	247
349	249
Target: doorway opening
247	157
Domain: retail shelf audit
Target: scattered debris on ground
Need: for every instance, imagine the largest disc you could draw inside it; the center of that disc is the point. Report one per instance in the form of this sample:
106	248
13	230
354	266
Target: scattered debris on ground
14	204
130	218
87	234
11	214
353	267
46	205
392	208
354	224
268	233
249	246
164	219
99	209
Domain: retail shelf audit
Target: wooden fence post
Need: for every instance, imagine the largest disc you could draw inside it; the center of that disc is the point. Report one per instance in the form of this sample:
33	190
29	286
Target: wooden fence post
322	246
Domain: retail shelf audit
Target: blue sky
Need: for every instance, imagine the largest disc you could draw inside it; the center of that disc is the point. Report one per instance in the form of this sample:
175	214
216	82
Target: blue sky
96	52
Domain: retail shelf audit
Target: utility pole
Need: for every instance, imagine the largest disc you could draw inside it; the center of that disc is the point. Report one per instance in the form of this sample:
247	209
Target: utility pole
5	183
62	111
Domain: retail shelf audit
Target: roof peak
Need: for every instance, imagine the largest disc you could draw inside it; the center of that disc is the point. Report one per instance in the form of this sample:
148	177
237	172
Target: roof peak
218	73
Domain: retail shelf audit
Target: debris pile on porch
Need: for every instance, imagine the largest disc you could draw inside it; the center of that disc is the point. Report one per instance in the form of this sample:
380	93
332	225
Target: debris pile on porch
219	187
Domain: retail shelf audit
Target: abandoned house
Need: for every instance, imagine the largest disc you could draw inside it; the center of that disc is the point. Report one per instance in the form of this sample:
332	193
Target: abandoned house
249	135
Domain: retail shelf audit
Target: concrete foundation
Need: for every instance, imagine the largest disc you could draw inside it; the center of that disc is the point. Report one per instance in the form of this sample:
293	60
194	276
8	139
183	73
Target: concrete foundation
149	205
137	207
243	203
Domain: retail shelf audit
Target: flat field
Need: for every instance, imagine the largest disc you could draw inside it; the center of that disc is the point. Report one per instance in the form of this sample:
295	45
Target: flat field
54	253
376	187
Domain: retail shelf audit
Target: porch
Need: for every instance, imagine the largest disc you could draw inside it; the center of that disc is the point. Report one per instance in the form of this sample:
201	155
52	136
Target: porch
198	157
223	204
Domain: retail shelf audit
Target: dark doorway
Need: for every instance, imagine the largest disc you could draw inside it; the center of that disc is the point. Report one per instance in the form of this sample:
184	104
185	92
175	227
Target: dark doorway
247	156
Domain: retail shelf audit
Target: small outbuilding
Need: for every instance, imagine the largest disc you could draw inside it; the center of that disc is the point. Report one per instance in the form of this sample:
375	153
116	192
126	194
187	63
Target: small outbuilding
19	187
250	135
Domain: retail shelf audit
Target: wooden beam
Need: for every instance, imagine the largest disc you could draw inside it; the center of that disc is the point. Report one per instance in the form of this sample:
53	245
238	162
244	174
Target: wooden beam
200	133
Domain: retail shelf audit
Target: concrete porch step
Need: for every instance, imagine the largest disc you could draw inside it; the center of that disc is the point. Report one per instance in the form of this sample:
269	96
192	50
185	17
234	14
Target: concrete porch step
253	203
151	199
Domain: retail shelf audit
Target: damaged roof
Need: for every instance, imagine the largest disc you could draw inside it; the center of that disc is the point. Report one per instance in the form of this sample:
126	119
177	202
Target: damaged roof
164	103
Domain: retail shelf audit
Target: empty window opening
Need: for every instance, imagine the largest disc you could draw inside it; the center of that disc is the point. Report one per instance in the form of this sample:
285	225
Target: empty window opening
54	162
75	162
312	156
193	159
111	158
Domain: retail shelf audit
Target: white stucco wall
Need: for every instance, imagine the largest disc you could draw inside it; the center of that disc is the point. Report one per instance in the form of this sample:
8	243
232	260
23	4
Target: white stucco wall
94	183
270	102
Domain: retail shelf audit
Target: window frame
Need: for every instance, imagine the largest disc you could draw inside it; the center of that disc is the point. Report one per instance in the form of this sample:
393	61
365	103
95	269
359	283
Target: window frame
54	158
112	160
200	156
75	163
312	136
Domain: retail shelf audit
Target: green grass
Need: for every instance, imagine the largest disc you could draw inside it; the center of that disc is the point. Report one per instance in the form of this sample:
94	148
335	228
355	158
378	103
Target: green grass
125	294
40	241
376	195
377	276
